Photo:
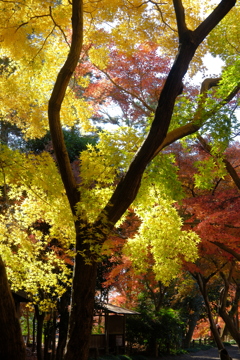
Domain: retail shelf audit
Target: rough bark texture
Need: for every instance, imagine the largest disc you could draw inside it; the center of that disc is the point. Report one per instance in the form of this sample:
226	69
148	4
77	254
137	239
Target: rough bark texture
126	191
82	305
11	341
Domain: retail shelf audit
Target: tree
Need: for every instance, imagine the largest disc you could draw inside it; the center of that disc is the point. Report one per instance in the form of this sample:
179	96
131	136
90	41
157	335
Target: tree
35	260
91	235
212	211
130	81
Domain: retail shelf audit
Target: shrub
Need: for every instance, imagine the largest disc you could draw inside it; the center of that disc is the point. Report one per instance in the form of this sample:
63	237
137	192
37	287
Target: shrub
164	329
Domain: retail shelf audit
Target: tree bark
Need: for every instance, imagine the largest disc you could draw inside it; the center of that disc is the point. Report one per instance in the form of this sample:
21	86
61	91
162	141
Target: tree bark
63	325
40	318
11	341
83	296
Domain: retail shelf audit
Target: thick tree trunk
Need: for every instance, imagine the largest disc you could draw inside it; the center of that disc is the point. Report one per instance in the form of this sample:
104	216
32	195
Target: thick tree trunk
11	340
82	307
230	326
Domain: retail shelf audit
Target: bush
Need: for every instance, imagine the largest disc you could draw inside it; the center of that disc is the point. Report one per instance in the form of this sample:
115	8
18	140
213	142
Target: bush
164	329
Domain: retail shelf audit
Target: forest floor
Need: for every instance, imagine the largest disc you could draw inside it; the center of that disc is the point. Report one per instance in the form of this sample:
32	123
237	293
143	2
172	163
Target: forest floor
210	354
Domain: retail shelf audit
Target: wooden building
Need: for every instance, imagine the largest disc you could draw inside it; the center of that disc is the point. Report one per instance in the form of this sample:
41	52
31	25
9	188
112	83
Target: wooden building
110	321
20	297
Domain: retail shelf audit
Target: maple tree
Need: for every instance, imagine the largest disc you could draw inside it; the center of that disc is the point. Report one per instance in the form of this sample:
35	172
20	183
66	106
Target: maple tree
42	29
129	83
212	211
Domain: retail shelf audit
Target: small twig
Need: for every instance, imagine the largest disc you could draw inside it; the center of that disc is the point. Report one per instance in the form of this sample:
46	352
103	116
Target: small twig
58	26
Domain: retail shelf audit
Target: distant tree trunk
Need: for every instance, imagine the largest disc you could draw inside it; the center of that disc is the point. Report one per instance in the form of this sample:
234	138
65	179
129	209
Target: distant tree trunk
28	327
11	341
202	283
63	310
191	326
34	333
53	335
40	318
47	338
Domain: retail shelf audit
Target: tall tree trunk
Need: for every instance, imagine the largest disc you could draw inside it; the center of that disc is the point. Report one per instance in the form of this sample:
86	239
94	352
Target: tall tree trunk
53	335
11	341
82	307
40	318
28	327
34	333
47	338
63	325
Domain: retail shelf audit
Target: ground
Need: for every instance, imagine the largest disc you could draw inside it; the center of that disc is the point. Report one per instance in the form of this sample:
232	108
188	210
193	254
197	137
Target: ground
210	354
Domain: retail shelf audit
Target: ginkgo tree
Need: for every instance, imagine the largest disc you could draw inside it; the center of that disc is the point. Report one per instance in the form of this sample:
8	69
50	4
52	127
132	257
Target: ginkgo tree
44	42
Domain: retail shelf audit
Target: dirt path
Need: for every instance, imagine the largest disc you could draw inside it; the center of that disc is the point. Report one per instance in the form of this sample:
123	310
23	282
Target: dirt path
210	354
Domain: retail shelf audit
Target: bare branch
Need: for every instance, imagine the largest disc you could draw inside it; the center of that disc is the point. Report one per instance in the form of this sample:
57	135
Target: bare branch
31	18
227	249
125	90
58	26
161	14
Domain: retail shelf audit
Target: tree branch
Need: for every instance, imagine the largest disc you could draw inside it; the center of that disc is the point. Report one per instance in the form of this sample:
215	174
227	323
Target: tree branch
180	17
128	187
199	117
227	249
56	100
125	90
213	19
230	169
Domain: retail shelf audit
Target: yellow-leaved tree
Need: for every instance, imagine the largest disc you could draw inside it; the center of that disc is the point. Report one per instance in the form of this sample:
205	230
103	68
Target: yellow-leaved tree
43	43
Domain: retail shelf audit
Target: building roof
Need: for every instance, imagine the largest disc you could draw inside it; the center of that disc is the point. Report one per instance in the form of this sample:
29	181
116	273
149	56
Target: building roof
118	310
21	296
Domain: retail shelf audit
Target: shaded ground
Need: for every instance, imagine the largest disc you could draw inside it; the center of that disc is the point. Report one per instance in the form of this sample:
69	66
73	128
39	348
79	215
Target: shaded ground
210	354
